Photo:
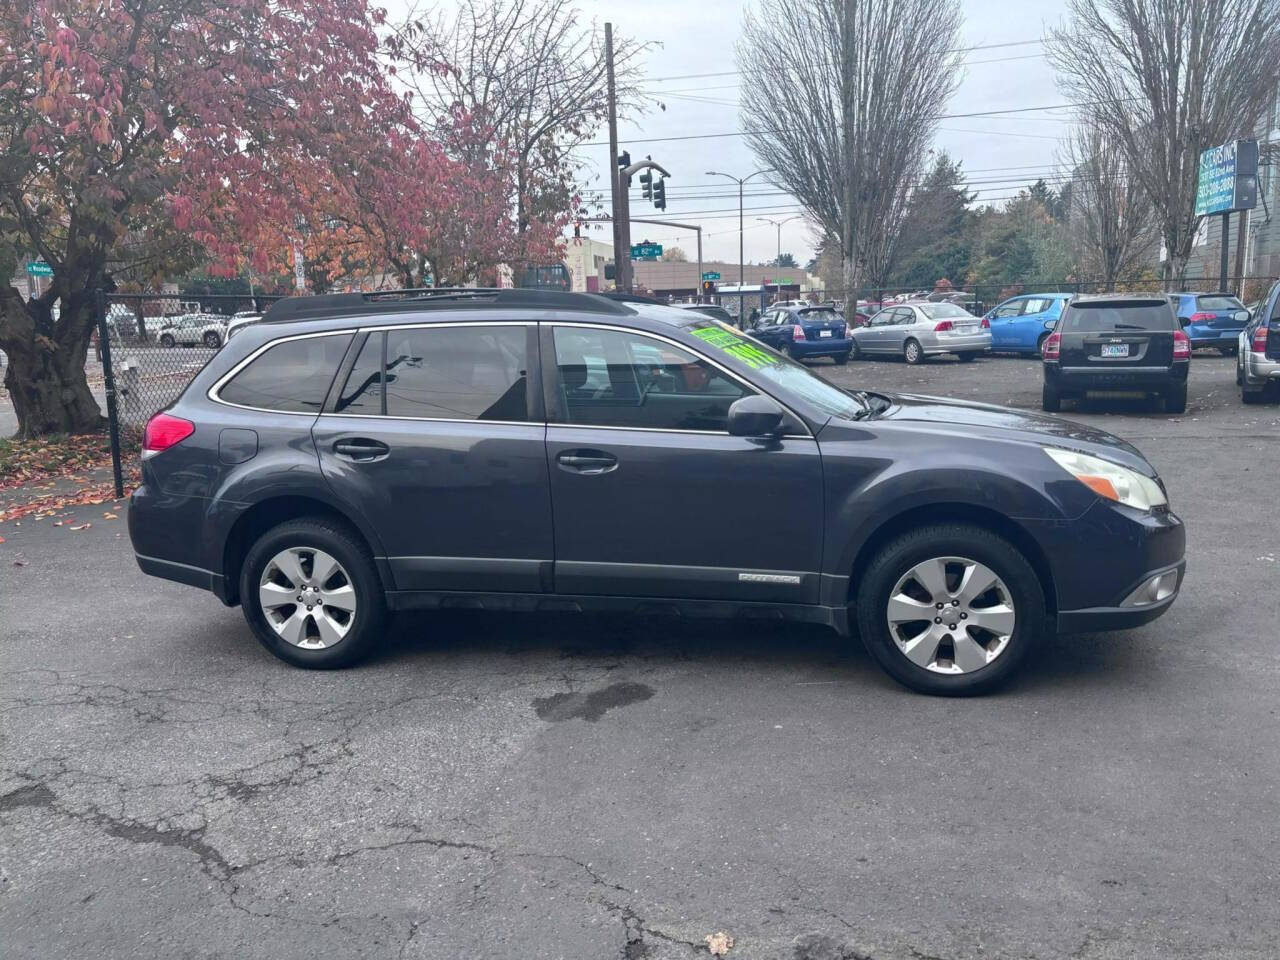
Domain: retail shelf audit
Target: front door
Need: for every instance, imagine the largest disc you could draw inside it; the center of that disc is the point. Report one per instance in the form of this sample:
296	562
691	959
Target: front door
1003	321
651	495
437	438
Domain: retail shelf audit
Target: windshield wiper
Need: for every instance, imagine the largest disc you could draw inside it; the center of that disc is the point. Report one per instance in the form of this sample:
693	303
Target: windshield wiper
1128	326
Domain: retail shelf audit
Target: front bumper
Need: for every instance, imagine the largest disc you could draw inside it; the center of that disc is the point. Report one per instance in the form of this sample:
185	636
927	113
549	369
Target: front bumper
1124	617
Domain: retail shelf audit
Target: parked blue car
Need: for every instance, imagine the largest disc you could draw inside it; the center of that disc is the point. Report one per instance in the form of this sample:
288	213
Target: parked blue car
803	333
1210	319
1022	324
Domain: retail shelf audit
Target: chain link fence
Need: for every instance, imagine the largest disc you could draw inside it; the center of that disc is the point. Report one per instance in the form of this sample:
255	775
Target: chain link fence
152	345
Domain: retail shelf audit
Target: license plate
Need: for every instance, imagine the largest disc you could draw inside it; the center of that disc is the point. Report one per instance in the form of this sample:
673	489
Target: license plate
1115	349
826	333
966	328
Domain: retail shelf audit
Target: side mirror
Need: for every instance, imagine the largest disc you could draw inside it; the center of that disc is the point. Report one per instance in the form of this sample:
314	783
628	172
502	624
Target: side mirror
755	416
1242	316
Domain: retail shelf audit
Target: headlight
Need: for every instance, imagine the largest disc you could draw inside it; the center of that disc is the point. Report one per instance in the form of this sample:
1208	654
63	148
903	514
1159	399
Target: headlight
1110	480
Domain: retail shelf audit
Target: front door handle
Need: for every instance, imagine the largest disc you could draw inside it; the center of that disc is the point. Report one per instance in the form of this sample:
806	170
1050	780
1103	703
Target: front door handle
360	449
587	462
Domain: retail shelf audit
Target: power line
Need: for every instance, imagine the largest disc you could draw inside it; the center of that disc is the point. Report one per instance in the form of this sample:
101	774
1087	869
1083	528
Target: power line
941	116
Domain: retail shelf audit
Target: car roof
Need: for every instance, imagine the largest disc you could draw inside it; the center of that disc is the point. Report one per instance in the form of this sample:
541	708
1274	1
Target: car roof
392	303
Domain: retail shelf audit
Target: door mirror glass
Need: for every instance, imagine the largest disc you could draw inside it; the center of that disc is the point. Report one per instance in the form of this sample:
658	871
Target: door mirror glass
1242	316
755	416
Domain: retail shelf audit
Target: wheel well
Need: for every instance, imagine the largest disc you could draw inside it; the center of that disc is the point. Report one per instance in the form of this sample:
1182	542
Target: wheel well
917	517
260	518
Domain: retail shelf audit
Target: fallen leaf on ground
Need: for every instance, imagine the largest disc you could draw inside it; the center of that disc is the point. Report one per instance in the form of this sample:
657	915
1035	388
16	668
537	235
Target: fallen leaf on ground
83	526
110	516
718	944
19	561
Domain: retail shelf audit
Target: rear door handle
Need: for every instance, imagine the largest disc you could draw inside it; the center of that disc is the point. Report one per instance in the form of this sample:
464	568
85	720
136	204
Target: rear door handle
360	449
587	462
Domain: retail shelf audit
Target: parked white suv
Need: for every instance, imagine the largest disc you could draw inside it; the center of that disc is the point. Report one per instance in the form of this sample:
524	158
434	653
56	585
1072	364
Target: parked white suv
209	329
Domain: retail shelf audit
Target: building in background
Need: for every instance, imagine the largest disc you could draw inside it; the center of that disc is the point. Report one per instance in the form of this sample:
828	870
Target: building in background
586	259
681	281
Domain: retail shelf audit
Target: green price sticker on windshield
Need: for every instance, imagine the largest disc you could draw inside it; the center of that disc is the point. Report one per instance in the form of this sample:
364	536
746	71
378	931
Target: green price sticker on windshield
729	342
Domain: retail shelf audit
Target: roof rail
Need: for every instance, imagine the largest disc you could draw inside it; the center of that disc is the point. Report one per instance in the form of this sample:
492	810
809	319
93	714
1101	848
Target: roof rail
433	298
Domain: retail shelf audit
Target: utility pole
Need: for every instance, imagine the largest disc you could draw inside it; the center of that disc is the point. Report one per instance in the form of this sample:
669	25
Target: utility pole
740	181
617	197
1226	240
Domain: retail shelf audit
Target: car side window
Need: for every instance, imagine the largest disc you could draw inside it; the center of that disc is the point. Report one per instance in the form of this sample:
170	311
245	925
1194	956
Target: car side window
292	376
1010	309
1035	306
457	373
611	378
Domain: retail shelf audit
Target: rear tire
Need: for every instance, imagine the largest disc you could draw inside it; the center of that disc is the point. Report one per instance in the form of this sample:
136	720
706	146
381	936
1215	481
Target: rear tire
1227	351
212	340
1040	344
956	542
1175	399
1251	397
166	340
1050	399
366	625
841	358
967	357
912	352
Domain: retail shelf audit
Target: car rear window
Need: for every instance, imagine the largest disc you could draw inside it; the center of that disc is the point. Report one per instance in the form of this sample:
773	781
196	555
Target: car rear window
1105	317
1218	303
292	376
938	311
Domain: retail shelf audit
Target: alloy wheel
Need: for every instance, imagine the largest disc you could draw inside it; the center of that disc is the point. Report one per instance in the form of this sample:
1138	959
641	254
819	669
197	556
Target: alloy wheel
307	597
951	615
912	352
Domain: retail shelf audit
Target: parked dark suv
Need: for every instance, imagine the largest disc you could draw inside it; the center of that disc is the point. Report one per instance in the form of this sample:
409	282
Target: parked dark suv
523	450
1112	343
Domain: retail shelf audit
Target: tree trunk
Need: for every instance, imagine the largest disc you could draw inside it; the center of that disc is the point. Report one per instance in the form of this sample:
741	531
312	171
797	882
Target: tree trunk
45	374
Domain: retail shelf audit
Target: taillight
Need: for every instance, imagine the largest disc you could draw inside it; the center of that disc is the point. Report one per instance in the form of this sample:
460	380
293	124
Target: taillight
1202	317
1052	347
986	323
1259	342
797	332
164	431
1181	346
943	325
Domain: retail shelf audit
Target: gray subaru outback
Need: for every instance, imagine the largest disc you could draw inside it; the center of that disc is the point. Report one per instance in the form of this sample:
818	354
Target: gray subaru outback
524	450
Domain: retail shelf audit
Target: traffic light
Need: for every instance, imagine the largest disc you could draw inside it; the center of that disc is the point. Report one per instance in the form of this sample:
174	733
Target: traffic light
646	184
660	195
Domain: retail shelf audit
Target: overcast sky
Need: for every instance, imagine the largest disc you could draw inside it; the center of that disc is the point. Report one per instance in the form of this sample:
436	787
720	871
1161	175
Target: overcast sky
699	38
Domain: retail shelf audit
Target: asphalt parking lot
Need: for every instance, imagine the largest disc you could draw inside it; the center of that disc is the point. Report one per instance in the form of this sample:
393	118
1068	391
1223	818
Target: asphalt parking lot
589	787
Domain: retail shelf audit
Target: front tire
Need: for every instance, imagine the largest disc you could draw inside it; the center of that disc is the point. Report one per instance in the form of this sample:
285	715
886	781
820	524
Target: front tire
166	340
912	352
855	352
212	340
289	576
980	609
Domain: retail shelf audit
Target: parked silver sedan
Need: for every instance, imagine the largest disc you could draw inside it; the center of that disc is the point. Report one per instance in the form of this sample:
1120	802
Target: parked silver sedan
915	331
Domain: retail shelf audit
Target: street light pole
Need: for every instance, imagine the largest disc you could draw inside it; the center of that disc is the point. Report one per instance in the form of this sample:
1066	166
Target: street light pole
778	224
740	181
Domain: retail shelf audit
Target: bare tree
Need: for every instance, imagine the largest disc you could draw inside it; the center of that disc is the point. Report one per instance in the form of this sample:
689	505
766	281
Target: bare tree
531	71
1109	213
856	88
1167	79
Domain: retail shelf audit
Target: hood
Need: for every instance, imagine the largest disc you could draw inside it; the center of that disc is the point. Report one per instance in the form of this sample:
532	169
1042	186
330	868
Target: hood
989	420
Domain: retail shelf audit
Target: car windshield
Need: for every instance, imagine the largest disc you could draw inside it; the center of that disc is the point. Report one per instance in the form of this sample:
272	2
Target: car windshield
939	311
778	370
1106	317
1218	303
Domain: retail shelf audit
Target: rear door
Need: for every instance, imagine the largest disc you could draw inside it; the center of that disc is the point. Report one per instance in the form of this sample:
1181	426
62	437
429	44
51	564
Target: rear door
438	439
652	497
1118	334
